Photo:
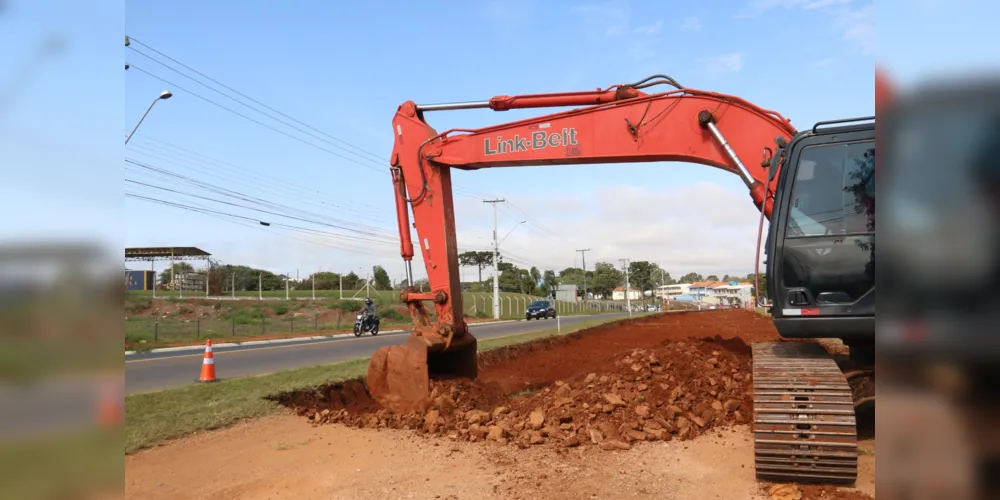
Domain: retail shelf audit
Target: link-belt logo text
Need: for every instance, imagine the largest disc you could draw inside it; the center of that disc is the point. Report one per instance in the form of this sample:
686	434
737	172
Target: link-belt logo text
539	140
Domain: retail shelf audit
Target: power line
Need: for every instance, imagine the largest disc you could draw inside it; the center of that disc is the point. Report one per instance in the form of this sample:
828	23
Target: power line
133	39
258	122
215	165
384	240
260	224
244	197
372	157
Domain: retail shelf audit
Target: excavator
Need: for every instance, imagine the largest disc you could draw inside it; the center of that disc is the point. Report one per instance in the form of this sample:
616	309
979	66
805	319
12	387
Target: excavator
815	186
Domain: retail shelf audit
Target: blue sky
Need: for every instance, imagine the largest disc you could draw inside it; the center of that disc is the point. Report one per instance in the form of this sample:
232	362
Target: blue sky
344	67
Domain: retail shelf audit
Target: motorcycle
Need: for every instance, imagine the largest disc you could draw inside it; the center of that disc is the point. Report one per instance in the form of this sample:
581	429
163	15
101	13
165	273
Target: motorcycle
363	326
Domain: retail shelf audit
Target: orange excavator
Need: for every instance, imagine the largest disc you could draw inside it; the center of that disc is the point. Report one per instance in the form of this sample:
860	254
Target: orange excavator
815	186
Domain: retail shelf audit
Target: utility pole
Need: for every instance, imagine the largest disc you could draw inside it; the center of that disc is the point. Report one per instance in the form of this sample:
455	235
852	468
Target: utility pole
583	255
260	286
234	286
628	300
341	286
496	257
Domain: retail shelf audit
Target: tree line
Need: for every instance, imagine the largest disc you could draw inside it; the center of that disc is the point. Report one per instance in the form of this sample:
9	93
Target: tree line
245	278
601	280
643	276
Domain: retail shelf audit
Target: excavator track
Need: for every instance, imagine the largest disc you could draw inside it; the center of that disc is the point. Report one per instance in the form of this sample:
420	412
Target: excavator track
804	420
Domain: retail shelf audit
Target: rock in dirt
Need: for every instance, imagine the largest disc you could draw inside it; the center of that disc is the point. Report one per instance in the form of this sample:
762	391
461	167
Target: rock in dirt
572	441
497	433
784	492
596	436
477	417
537	419
536	438
614	444
614	399
642	411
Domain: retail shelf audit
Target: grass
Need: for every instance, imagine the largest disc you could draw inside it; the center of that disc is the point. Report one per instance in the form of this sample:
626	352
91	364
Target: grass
247	319
68	464
156	417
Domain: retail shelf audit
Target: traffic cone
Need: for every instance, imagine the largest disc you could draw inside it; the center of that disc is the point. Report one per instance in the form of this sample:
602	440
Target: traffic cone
208	364
110	405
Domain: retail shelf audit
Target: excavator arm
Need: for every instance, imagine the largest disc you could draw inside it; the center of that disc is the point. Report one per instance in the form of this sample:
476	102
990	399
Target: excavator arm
620	124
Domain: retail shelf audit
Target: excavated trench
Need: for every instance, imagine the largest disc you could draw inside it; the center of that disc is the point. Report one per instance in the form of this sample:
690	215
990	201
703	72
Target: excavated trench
673	376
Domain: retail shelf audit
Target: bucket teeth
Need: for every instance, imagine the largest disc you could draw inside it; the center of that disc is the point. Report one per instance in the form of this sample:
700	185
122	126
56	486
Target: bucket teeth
804	422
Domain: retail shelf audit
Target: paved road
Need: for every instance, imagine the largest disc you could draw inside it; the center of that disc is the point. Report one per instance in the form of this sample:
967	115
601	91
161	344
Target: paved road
158	371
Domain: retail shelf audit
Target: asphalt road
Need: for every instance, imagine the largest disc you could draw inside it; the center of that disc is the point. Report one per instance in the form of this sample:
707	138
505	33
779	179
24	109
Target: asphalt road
159	371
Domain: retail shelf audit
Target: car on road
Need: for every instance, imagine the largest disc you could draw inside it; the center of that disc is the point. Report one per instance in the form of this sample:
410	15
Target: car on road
540	309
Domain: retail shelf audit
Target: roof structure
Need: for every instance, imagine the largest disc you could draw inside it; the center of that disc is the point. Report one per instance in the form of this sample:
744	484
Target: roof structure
165	253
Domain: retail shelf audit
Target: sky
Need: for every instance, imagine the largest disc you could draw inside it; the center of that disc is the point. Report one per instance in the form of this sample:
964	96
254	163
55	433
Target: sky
337	71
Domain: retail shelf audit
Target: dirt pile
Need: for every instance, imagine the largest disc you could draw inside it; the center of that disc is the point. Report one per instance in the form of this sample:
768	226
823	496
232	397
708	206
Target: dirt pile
585	389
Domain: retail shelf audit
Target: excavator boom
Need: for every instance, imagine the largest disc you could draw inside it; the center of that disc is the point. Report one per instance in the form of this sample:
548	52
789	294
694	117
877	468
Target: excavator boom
619	124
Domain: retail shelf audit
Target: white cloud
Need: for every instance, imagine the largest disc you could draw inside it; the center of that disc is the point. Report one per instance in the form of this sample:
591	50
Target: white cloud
614	30
825	62
856	24
691	23
724	63
649	29
706	227
818	4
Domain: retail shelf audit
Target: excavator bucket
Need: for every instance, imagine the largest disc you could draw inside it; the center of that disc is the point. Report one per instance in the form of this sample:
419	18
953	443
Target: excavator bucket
399	376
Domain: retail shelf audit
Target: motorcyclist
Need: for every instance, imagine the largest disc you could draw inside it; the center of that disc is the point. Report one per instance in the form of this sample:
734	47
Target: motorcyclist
368	312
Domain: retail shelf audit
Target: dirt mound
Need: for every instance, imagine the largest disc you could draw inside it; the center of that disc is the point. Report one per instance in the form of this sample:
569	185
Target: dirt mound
666	377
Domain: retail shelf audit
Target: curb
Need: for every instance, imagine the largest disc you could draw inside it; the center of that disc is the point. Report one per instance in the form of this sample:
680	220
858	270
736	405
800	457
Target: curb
286	341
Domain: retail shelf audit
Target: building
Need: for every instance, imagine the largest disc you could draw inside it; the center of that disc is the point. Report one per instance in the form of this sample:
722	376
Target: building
566	293
731	293
671	292
619	294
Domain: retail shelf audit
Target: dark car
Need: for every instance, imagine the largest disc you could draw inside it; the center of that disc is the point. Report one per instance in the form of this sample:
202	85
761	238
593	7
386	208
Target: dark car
540	309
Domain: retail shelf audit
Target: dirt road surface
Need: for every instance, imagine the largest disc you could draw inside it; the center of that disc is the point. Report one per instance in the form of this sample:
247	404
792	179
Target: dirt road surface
286	457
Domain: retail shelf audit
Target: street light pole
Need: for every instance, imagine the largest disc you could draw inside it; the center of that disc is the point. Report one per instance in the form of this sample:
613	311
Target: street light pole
583	255
496	253
163	95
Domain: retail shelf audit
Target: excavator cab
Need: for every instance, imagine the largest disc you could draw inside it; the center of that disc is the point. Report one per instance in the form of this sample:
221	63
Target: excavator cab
821	240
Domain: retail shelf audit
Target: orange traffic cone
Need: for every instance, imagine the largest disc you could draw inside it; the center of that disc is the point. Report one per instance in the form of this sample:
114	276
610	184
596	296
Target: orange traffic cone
111	404
208	364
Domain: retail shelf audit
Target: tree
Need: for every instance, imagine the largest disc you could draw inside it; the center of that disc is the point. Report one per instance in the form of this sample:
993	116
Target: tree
549	282
691	278
641	275
712	277
478	260
382	281
352	281
763	284
666	279
179	268
606	277
536	275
